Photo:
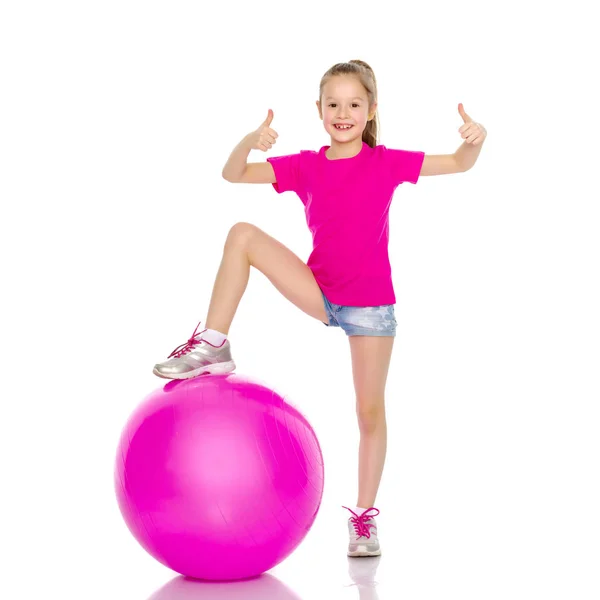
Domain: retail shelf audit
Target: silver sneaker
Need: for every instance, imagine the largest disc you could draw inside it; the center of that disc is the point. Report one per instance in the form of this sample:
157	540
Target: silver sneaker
363	534
196	357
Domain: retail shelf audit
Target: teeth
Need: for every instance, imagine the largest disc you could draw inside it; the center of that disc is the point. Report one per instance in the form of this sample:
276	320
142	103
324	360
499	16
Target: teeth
343	127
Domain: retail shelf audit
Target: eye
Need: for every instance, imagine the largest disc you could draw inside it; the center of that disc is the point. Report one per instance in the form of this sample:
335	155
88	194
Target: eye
353	104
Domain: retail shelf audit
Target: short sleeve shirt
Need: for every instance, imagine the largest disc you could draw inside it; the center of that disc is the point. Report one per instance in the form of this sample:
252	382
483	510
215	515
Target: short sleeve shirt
346	203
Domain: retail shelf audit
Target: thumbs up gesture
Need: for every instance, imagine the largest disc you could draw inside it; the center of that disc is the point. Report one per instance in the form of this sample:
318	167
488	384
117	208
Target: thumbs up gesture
471	132
264	137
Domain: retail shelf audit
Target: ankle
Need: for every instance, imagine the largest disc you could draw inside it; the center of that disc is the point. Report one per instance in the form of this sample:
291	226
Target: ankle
214	337
217	327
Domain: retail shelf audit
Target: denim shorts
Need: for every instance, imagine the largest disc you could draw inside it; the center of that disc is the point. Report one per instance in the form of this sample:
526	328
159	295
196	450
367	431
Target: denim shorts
361	320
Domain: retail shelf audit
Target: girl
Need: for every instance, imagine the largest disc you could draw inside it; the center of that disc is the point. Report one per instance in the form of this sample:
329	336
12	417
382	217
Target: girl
346	188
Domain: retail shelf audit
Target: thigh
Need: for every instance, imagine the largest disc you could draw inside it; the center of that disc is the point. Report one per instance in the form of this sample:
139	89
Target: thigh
286	271
370	364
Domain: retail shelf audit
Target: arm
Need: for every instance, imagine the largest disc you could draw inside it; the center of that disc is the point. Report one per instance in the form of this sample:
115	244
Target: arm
464	158
459	162
237	170
440	164
467	154
236	165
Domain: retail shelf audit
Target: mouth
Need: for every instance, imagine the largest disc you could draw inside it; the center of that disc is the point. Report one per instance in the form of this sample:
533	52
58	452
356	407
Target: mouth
343	128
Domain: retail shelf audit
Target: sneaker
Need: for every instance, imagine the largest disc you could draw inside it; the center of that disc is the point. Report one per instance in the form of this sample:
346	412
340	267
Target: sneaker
363	533
196	357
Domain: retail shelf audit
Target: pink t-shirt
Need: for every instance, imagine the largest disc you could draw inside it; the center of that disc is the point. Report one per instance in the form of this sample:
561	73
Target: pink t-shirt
347	202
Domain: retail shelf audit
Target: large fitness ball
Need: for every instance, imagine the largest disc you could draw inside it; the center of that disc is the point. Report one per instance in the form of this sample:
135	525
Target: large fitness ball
218	477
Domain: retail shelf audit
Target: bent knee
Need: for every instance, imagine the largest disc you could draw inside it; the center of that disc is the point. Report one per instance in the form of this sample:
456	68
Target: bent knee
241	232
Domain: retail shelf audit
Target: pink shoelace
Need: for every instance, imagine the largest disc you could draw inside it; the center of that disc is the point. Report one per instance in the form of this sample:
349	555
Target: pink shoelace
360	524
189	345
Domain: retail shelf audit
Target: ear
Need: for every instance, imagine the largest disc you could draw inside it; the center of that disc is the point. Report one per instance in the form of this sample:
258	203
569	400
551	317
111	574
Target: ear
373	111
319	109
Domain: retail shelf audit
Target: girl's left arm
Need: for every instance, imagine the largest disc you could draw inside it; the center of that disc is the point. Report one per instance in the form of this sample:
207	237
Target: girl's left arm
464	158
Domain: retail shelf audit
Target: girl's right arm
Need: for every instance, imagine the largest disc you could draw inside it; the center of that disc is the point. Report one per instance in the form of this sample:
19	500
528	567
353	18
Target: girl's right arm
237	170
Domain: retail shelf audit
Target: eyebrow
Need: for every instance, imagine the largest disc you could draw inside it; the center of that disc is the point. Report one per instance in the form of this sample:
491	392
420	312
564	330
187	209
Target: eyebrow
355	98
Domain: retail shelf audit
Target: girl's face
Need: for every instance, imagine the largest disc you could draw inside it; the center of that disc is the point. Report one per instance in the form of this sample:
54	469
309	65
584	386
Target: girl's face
345	100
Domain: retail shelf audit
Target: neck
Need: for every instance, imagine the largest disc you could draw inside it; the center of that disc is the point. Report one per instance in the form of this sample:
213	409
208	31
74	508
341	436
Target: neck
344	149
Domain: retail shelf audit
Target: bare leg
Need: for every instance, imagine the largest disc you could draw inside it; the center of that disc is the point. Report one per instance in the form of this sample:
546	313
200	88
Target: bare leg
247	245
230	284
370	363
371	458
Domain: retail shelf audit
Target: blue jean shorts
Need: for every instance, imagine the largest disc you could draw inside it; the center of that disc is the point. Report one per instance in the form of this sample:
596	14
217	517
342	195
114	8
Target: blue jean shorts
361	320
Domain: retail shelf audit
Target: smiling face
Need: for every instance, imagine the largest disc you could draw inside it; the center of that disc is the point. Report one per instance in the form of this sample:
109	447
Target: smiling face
345	100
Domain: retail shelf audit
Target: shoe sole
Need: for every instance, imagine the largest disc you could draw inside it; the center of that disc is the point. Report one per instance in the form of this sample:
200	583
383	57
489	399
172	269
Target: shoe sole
216	369
359	554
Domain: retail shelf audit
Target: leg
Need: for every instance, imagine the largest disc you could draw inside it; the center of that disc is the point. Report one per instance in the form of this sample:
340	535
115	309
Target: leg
370	362
245	246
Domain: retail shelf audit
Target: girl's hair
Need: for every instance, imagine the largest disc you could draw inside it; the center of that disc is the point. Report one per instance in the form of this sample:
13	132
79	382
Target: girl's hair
365	74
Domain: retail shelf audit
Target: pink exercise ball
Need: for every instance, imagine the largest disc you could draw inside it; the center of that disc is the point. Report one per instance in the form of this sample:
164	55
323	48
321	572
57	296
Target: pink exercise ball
218	477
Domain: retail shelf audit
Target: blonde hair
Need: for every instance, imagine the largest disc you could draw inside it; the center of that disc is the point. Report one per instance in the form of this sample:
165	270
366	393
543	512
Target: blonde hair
365	74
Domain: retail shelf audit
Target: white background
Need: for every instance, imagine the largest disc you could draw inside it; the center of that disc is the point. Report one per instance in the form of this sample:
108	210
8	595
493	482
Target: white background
116	121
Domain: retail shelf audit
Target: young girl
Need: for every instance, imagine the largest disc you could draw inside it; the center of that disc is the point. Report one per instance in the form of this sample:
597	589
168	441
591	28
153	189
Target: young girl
346	188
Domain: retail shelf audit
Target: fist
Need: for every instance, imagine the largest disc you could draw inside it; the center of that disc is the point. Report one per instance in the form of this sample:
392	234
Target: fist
471	132
264	137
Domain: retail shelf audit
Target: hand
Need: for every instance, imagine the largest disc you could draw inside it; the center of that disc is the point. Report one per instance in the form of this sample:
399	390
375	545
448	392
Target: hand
264	137
471	132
